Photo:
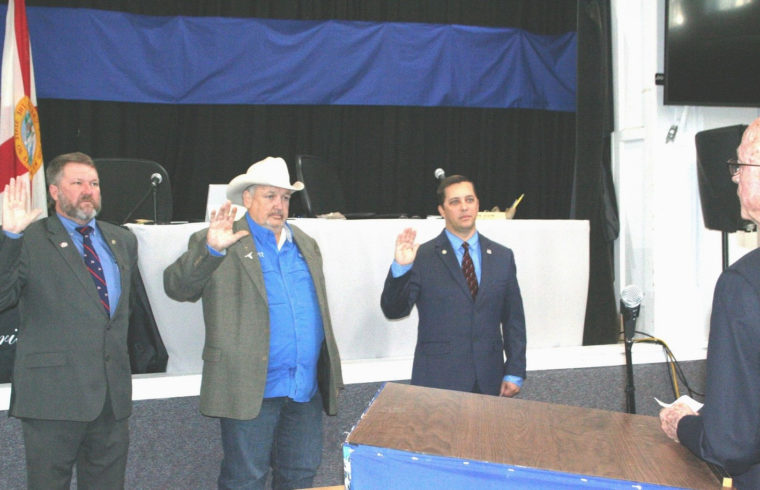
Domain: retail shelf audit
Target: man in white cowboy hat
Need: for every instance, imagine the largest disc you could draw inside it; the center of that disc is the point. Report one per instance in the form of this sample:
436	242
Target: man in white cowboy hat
270	361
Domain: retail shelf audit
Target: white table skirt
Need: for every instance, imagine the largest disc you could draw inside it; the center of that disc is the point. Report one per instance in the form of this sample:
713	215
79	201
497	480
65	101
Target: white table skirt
552	259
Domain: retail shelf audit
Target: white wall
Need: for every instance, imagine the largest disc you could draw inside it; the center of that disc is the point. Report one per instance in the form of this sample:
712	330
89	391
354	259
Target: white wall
664	247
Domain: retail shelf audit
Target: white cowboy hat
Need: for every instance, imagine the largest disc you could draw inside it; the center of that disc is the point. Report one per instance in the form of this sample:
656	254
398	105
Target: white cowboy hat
269	171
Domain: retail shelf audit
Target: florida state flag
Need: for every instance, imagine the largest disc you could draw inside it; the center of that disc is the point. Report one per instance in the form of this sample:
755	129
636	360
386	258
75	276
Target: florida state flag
20	143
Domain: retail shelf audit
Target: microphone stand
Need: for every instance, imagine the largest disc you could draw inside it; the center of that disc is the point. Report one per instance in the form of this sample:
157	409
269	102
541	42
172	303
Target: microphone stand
630	302
140	203
154	188
630	399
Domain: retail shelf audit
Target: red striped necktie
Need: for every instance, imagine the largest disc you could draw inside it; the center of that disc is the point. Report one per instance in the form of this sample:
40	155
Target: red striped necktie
92	262
469	271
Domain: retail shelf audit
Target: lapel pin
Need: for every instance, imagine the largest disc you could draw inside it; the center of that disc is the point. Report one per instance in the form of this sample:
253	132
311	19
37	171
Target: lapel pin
488	251
443	251
113	242
249	255
64	244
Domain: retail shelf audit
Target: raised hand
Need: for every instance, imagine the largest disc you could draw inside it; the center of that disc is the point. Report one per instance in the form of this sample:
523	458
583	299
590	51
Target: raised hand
17	203
220	235
406	248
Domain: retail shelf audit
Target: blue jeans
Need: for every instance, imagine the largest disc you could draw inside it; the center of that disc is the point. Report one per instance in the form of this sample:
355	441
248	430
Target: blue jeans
286	435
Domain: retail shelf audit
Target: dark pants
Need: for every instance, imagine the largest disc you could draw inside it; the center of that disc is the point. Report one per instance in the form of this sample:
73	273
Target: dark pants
98	448
286	435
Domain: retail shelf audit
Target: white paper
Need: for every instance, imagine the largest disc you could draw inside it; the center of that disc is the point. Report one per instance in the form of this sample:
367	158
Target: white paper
686	400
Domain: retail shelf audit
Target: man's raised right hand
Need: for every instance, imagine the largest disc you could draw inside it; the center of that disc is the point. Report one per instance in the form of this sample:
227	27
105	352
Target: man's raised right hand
17	203
220	235
406	248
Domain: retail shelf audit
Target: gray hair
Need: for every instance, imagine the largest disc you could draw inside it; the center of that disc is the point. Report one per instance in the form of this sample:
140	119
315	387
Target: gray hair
54	168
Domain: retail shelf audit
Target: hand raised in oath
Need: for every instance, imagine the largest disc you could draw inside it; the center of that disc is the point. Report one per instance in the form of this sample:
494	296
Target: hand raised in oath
406	248
220	234
17	203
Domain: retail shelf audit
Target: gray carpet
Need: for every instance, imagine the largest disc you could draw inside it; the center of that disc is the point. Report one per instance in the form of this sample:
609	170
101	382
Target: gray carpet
174	447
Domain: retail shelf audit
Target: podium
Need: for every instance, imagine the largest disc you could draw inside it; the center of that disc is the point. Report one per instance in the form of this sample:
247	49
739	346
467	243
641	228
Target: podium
416	437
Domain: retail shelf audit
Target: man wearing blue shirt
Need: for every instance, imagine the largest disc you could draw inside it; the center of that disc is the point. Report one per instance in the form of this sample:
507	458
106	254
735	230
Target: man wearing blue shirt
70	276
468	300
270	361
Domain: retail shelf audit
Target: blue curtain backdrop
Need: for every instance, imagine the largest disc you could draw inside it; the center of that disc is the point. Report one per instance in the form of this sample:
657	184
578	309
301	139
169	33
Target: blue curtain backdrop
385	154
126	57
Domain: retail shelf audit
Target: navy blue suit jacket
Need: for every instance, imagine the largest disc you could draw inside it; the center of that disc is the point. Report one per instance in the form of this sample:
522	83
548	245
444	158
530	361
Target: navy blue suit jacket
727	432
461	341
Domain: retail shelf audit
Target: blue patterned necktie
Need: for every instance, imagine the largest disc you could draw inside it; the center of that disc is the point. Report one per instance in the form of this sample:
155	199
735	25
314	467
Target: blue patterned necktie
92	262
469	271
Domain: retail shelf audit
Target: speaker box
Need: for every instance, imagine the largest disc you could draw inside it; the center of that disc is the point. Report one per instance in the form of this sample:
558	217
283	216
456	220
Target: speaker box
717	192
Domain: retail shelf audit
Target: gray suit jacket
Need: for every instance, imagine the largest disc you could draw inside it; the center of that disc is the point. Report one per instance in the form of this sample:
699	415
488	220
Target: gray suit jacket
69	352
236	314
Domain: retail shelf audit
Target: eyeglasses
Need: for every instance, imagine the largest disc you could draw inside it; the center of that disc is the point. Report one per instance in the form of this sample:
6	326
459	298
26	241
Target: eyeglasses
734	165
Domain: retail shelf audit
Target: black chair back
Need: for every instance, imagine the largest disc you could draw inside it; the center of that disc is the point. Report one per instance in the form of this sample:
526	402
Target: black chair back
323	193
127	191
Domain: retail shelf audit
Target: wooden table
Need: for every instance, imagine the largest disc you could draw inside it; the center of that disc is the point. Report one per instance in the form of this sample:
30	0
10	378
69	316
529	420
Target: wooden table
581	443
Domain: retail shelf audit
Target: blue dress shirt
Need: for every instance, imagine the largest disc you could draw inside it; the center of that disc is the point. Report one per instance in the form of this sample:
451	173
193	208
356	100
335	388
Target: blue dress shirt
295	321
107	260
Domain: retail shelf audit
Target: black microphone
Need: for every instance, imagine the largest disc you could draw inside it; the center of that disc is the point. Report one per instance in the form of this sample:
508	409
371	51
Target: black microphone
439	174
156	179
630	303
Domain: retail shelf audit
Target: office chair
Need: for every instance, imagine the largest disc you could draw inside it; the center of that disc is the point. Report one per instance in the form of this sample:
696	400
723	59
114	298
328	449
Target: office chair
134	189
323	193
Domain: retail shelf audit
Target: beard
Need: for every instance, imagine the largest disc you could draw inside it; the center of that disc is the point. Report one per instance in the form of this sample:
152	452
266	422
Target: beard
74	211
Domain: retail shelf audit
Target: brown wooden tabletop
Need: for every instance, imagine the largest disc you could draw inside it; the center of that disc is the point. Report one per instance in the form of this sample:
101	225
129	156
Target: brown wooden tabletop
527	433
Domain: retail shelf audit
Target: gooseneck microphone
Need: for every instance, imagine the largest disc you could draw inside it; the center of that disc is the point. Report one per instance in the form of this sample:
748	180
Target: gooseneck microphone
439	174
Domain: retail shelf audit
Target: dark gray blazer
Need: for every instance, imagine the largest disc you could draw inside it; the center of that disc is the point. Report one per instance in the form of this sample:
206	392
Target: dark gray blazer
236	314
727	432
461	340
69	352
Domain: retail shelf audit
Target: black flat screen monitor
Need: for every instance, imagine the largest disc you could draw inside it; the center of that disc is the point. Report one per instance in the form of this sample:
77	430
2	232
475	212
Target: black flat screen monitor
712	53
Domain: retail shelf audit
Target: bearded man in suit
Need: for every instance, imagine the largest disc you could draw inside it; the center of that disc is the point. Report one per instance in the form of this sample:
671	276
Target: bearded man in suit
270	361
70	276
468	299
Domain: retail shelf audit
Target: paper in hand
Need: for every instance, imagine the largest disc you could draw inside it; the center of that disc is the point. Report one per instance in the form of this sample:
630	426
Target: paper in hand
686	400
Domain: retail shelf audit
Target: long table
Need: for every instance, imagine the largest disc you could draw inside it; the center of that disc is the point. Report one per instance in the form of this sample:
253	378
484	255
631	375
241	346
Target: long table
552	268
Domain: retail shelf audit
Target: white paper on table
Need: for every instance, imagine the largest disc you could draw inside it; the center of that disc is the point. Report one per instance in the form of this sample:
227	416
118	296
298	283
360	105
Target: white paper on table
685	399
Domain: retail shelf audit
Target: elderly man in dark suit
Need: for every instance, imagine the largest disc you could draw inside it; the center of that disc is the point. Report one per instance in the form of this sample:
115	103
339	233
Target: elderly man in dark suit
70	276
727	431
468	299
270	361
